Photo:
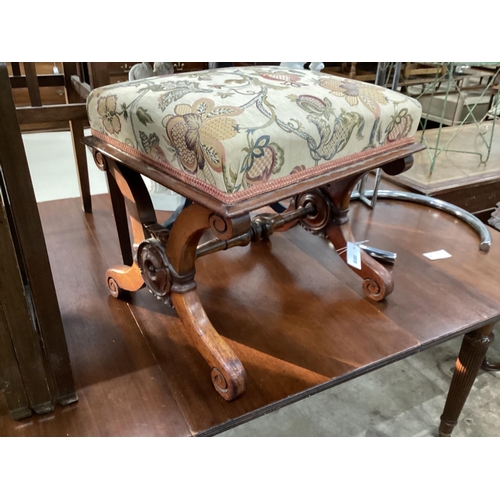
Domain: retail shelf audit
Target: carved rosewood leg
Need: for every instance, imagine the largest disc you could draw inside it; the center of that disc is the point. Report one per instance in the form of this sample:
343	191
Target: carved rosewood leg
164	261
472	353
228	374
332	204
127	278
377	284
121	219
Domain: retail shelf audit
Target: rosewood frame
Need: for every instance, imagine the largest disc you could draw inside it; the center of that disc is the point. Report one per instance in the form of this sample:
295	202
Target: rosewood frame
164	259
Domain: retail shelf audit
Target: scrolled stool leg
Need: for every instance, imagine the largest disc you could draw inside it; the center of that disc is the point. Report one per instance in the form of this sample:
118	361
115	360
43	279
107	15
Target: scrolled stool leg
227	372
377	284
329	219
375	290
228	375
115	290
123	279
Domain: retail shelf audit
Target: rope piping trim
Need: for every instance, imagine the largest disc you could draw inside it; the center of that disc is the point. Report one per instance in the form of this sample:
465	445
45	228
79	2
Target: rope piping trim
257	189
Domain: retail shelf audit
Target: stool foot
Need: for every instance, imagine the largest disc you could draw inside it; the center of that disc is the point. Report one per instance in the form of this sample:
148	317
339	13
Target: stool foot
228	374
129	196
330	219
378	282
123	279
332	204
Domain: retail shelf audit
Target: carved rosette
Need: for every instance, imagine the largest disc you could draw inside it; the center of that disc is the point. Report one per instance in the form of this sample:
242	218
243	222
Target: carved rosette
219	381
100	161
376	290
317	221
154	266
218	225
229	383
226	228
114	289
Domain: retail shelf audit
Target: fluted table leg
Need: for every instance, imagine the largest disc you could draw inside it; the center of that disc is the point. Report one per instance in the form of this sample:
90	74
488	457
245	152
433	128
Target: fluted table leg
472	354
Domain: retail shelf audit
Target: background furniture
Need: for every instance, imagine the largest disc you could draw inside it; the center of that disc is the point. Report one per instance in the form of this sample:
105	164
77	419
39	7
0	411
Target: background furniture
460	164
18	339
463	94
29	312
115	72
51	90
40	115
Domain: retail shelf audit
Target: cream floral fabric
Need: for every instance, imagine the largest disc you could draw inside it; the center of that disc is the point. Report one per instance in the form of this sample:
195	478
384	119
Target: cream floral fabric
236	128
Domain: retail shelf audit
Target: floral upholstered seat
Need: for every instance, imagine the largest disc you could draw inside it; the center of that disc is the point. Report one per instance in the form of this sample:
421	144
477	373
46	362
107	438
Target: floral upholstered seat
238	132
232	141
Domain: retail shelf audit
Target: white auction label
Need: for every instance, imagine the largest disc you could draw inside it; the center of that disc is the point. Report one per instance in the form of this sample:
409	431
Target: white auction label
438	254
353	255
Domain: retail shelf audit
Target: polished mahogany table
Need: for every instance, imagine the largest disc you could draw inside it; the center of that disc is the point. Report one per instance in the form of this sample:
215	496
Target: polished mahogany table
290	308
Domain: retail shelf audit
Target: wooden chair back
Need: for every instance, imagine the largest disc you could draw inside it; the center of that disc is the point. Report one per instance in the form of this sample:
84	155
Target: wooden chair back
72	112
29	312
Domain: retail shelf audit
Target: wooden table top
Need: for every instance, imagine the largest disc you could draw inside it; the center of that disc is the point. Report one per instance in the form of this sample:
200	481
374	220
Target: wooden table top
290	308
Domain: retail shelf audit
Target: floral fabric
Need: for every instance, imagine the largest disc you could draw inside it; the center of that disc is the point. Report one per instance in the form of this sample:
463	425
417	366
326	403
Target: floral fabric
233	129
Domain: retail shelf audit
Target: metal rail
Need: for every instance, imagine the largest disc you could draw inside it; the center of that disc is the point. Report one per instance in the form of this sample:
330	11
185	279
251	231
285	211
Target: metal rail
449	208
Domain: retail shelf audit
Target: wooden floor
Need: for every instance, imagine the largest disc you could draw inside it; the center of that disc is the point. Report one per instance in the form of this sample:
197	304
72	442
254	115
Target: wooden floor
291	310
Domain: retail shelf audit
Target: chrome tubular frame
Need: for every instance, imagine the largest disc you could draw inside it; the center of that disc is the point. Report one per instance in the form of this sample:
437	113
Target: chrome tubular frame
449	208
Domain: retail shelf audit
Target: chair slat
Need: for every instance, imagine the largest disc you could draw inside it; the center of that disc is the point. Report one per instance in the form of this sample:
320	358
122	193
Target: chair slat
16	68
32	82
52	113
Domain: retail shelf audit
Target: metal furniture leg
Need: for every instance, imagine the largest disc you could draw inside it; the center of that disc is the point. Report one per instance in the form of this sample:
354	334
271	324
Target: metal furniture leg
449	208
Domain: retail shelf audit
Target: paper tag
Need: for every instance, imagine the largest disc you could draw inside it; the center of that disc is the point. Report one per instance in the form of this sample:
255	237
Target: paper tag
353	255
438	254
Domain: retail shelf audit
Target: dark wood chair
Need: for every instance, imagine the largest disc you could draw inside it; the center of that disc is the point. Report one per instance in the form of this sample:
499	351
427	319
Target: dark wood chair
35	370
72	112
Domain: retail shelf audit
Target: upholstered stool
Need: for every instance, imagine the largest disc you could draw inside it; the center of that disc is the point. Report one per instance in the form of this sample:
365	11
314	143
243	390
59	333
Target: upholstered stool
231	141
